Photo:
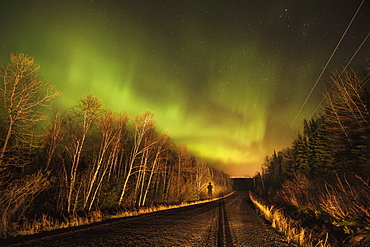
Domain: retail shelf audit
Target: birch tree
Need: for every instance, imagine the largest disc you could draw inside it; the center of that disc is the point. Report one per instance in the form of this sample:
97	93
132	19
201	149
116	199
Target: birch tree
183	161
159	149
202	176
23	101
143	124
112	127
84	114
54	135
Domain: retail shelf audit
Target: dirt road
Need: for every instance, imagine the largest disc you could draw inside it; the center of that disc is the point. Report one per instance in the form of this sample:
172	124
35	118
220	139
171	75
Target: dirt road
227	222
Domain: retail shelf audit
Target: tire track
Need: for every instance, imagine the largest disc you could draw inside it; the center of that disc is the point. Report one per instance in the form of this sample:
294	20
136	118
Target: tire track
211	239
219	231
223	227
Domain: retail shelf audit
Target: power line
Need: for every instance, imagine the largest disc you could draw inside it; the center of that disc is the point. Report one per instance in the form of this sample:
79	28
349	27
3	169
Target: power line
362	83
358	49
323	70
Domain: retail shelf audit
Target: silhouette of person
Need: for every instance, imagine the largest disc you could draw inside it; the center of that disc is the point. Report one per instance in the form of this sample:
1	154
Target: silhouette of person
210	188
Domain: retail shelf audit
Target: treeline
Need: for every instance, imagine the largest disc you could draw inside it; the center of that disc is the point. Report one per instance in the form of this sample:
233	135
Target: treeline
325	173
87	158
337	142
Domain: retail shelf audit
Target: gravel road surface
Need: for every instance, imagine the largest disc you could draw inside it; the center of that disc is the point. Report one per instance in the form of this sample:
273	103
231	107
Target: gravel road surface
227	222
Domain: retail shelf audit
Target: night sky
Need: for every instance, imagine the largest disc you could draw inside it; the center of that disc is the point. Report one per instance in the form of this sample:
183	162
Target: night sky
225	77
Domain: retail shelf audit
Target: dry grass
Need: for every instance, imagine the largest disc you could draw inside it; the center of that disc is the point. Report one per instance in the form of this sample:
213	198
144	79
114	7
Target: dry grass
301	193
47	223
341	199
293	232
344	201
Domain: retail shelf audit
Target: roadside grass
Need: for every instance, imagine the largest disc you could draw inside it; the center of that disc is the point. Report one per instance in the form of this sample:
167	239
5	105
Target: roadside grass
47	223
339	204
292	230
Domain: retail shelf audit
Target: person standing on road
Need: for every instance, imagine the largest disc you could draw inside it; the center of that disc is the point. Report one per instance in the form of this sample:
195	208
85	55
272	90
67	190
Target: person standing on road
210	188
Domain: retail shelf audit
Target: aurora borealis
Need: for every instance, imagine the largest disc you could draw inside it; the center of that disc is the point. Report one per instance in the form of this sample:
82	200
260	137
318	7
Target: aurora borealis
225	77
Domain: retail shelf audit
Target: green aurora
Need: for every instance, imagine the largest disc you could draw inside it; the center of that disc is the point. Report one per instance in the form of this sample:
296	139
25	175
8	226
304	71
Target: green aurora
226	77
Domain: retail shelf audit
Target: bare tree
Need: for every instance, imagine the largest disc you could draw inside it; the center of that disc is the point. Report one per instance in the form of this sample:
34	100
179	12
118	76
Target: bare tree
152	169
23	100
111	126
23	97
183	160
53	136
143	125
202	176
87	111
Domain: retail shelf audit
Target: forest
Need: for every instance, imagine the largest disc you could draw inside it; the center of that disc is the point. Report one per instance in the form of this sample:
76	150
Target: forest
322	180
85	160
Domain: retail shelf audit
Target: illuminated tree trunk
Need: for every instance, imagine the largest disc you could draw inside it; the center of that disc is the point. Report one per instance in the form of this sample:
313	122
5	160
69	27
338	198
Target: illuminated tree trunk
89	108
154	166
171	187
164	178
143	123
53	138
23	99
202	176
109	133
182	150
183	160
141	178
178	175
